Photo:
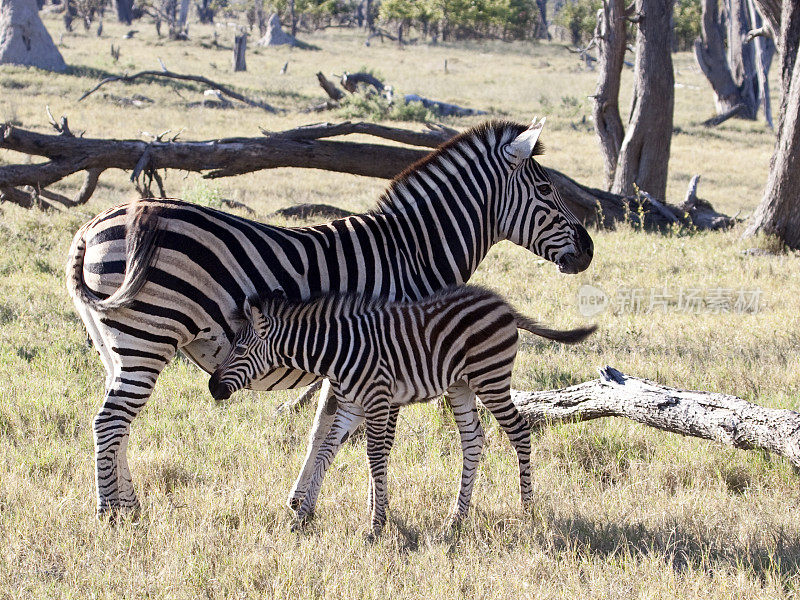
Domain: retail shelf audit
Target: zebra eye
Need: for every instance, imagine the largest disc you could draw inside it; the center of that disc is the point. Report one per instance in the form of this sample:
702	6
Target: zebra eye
239	349
545	189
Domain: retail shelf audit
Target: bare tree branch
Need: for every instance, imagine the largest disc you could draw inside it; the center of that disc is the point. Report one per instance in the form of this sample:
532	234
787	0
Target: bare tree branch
196	78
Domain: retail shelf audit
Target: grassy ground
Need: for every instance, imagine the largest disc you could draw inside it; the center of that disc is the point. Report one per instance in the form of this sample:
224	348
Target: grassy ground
622	511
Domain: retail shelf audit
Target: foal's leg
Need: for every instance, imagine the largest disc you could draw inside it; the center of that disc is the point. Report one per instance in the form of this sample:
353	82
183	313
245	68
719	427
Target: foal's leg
462	400
377	411
497	399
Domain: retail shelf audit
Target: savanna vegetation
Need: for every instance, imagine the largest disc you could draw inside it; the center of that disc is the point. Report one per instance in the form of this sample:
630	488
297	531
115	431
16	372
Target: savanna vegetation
621	511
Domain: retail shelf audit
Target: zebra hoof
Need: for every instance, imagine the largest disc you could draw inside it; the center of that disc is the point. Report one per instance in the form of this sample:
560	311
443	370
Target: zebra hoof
300	523
294	503
455	524
371	536
116	513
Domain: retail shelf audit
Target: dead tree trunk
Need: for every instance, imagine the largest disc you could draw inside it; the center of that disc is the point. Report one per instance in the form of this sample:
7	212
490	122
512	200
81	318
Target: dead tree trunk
542	31
779	211
125	11
239	50
183	15
708	415
304	147
742	58
764	50
24	39
610	38
644	154
738	75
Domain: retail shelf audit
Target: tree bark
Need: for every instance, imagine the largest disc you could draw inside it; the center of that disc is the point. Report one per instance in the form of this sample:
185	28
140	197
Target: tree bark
644	154
542	31
779	211
719	417
125	11
610	38
24	39
764	50
742	58
183	15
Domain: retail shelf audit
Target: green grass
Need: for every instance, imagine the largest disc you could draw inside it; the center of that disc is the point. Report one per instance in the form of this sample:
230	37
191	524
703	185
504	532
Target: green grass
621	511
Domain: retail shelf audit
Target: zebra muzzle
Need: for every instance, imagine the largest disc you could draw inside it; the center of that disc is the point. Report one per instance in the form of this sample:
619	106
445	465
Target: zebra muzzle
218	389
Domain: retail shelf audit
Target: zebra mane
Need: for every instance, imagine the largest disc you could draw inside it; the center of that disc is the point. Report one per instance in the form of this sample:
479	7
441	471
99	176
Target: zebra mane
491	133
352	303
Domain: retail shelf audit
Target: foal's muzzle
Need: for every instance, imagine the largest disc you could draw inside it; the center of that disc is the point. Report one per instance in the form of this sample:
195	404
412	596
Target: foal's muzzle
219	390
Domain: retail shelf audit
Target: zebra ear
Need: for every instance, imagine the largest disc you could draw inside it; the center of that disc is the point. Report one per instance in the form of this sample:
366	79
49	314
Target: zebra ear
253	312
524	145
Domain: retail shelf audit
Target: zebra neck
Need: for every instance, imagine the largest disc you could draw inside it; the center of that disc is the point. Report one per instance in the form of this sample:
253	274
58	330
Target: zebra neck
441	239
306	342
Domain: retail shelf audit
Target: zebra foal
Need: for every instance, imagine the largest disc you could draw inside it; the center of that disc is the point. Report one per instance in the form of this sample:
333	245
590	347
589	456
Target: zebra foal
380	355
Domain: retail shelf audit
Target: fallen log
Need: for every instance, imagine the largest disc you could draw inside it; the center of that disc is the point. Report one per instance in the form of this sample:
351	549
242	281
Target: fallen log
182	77
443	109
303	147
709	415
722	418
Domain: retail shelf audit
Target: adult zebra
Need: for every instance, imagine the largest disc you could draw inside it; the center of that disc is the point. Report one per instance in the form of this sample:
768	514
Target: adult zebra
379	356
156	276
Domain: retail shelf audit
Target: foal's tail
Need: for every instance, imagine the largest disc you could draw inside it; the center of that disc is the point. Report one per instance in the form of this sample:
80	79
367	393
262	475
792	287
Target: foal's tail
565	336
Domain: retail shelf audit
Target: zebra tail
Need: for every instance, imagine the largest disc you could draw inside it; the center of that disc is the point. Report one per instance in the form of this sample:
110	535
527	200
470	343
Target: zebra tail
565	336
141	244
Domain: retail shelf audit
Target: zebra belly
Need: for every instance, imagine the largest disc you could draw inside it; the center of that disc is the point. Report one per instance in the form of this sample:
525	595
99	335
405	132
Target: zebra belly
408	393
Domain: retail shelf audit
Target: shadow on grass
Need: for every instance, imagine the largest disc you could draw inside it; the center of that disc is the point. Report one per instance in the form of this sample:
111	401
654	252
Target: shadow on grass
775	552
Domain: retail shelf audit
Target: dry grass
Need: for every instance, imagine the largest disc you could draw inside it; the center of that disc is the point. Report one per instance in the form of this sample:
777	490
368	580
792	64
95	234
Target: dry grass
622	511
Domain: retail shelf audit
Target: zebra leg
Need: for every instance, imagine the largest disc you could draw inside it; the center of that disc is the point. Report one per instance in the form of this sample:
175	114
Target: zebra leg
391	427
377	418
132	366
125	397
465	411
498	402
323	420
348	418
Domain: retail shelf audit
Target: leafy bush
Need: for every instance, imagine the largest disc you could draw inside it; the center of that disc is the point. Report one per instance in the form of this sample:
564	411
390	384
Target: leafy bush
687	18
506	19
378	108
579	17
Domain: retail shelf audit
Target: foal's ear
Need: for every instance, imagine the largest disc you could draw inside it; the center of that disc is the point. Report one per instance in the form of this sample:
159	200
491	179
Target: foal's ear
524	145
253	312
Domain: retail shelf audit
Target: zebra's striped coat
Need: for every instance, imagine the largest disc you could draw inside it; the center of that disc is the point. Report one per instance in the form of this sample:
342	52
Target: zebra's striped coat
156	276
381	355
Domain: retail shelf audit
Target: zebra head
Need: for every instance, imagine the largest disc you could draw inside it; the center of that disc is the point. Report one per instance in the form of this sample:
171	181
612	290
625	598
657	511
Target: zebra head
249	357
532	213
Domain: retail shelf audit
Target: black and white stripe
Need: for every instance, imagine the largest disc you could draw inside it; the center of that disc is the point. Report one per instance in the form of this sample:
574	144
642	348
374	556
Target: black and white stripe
381	355
156	276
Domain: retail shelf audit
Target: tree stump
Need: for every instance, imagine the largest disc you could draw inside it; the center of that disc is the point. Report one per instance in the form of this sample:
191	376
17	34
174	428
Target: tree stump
239	50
